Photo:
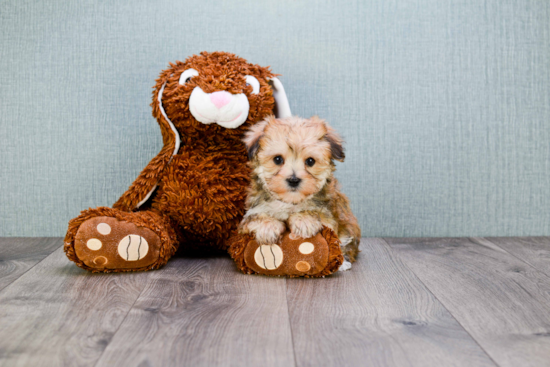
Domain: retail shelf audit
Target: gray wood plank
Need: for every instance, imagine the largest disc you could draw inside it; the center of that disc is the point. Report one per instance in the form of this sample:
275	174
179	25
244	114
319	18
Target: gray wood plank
533	250
377	314
501	301
18	255
57	314
203	312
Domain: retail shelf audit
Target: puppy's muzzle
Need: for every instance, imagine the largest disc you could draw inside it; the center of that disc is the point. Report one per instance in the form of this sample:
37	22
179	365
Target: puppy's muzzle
293	181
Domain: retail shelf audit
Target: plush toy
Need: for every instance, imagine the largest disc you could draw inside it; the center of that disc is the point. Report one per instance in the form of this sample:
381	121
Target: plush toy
192	194
316	256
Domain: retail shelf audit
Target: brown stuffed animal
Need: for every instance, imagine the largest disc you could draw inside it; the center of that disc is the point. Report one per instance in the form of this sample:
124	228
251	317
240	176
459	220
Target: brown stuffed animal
192	193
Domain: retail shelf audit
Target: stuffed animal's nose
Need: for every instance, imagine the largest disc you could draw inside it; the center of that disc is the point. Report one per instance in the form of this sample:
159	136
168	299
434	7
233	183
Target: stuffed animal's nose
220	99
293	181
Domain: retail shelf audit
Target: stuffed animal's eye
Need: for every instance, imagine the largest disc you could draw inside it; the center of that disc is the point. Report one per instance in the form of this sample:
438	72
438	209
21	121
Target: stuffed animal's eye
187	75
310	162
250	80
278	160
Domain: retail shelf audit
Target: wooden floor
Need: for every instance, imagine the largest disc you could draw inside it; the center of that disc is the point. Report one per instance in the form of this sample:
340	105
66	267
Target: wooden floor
406	302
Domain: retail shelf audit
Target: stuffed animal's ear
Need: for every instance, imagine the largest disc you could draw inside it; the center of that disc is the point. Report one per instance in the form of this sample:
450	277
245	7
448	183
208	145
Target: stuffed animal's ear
253	135
336	144
282	107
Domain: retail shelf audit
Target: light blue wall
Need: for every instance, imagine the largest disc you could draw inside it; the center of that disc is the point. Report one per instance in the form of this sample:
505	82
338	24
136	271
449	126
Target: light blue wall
445	105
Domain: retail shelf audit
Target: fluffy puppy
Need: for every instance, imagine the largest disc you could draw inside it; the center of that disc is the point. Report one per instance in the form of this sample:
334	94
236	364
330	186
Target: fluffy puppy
292	162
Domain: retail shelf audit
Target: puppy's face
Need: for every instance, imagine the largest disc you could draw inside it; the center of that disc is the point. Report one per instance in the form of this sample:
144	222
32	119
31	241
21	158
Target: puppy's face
293	157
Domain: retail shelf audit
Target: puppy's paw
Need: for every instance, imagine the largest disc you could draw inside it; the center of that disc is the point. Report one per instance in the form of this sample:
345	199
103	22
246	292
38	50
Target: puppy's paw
346	265
269	232
304	226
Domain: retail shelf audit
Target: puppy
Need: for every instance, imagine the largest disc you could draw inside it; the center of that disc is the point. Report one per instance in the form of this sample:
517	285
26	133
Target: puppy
292	162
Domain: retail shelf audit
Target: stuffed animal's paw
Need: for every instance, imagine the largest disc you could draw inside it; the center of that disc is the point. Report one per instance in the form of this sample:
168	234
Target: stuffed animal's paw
314	256
106	243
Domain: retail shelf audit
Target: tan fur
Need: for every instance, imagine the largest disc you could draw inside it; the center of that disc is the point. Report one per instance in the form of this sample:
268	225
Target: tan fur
273	205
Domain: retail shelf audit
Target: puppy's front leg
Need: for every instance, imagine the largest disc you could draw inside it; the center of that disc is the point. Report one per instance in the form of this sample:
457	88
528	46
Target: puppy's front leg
267	230
304	224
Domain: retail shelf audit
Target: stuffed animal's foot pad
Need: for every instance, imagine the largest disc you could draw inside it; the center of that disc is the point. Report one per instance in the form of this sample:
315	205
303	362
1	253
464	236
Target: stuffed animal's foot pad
292	256
268	257
107	243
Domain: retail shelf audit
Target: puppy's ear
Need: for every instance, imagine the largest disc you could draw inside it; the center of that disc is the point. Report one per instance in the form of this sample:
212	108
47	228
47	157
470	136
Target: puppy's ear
336	144
253	135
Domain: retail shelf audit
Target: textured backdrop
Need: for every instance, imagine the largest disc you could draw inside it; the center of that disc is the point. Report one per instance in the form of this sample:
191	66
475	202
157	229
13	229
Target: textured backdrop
445	105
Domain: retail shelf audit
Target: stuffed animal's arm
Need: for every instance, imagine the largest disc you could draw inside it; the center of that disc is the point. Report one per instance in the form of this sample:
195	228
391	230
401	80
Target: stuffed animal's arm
145	183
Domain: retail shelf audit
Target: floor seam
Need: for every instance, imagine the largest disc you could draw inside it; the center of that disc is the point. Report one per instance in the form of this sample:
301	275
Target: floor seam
440	302
123	320
290	324
472	239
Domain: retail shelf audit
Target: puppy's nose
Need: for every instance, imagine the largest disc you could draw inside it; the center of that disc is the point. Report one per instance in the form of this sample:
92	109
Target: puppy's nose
220	99
293	181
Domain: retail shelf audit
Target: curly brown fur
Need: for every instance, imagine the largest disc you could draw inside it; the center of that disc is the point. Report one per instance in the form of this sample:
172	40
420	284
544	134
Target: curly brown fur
198	193
203	189
205	149
293	184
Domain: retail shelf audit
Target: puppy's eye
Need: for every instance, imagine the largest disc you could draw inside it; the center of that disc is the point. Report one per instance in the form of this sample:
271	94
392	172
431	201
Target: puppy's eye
310	162
250	80
278	160
187	75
